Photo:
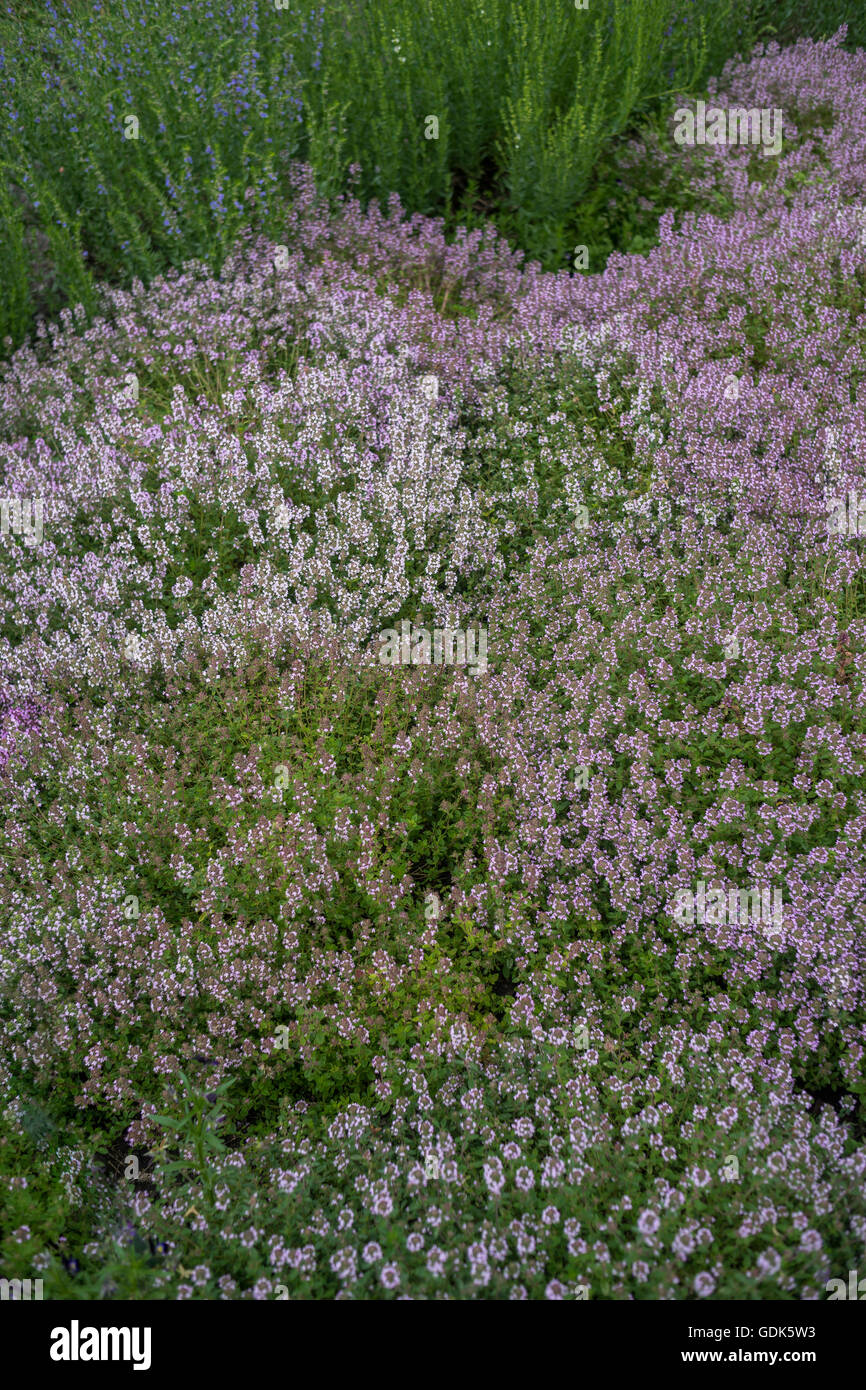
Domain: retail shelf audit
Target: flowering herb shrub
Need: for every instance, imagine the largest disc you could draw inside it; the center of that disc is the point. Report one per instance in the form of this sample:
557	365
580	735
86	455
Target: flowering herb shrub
345	980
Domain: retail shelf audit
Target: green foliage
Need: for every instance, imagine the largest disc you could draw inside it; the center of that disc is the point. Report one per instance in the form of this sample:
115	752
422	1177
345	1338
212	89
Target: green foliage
195	1127
15	307
131	145
49	1196
787	20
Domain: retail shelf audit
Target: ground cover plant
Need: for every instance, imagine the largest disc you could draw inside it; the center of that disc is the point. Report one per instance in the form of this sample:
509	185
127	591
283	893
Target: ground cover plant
330	978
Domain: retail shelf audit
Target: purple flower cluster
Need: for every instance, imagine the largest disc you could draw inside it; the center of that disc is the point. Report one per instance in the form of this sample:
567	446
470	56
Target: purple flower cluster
17	715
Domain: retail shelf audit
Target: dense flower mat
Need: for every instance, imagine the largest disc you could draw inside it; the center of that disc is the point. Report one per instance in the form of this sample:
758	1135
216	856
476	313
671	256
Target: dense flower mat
427	921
